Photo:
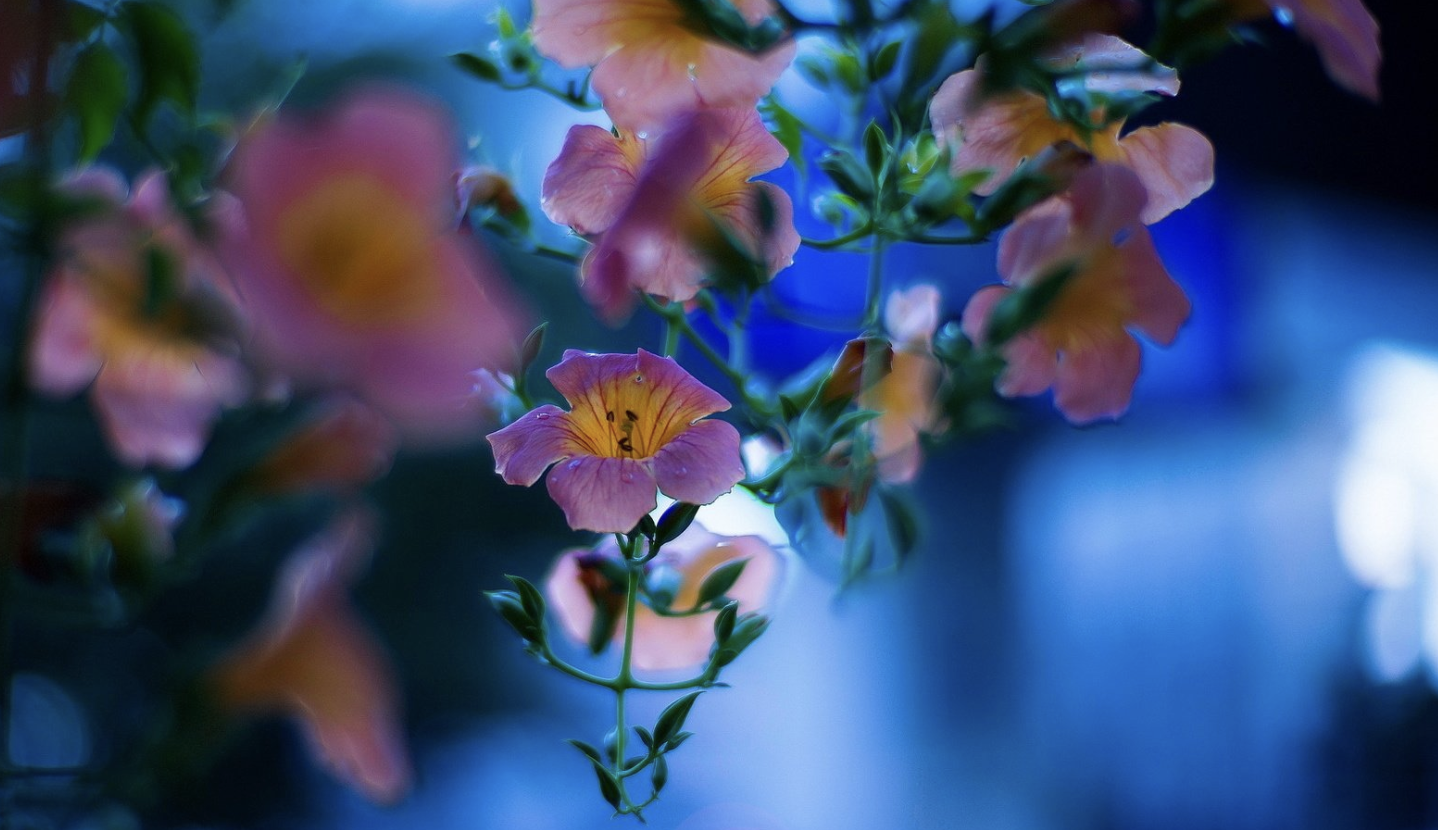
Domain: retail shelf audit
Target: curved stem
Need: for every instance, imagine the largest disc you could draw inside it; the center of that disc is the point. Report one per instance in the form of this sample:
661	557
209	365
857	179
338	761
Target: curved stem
839	241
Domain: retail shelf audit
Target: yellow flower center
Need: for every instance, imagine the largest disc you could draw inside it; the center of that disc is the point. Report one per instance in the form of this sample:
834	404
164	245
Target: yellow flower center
362	252
625	418
1094	304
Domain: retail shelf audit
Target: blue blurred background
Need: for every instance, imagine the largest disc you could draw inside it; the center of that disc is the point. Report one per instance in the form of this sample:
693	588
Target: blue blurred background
1221	612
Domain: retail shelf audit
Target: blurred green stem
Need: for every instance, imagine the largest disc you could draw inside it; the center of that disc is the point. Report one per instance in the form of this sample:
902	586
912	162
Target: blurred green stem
16	412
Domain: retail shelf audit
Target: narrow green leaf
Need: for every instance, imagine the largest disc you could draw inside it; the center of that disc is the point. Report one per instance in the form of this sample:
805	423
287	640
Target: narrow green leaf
724	623
903	522
96	92
168	57
719	581
608	787
81	20
659	775
671	720
533	342
675	521
512	610
591	752
885	58
529	595
481	68
645	737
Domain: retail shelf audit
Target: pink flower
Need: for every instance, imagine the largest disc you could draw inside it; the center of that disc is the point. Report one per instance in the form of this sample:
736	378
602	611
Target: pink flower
135	305
905	396
649	64
1082	346
656	205
312	659
346	445
633	425
1344	32
662	643
353	268
1174	162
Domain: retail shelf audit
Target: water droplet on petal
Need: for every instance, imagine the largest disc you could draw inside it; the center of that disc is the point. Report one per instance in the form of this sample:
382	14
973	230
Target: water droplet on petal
628	477
574	464
638	378
543	416
682	471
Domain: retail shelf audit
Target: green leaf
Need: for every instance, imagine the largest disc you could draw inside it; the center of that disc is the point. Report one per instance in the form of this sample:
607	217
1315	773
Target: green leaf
786	128
589	751
529	595
532	344
168	57
509	606
659	775
671	720
645	737
481	68
675	521
885	58
724	623
876	148
608	787
679	739
719	581
96	92
903	521
81	20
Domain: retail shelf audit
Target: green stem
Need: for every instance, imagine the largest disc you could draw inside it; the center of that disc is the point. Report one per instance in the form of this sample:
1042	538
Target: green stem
873	295
674	314
840	241
625	678
671	338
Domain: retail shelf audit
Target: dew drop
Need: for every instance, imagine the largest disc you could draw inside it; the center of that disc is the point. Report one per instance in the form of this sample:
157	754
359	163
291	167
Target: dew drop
638	378
682	471
574	465
1284	16
543	416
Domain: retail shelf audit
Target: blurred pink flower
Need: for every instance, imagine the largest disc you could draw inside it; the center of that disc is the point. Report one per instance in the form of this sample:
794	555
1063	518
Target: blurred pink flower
1174	162
656	205
1344	32
904	396
136	305
353	269
312	659
633	425
649	63
345	445
662	643
1082	346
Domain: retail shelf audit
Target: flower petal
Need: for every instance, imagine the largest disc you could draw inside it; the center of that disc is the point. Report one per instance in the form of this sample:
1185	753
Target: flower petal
1097	381
605	495
156	403
1175	164
584	379
525	449
912	316
996	132
1134	70
592	180
1346	36
1159	305
701	464
63	356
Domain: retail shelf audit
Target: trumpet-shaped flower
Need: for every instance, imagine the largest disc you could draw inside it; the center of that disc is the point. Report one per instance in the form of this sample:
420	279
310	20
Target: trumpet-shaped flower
311	658
1174	162
577	584
904	396
137	306
1344	32
633	425
649	64
658	205
353	268
1082	346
